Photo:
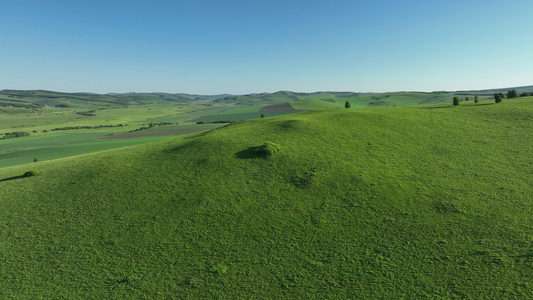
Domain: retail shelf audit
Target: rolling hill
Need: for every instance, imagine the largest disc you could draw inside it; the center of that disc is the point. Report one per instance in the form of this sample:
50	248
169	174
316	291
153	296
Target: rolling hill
383	202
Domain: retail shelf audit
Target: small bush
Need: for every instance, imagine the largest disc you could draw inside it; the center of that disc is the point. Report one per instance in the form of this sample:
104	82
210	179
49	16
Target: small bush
31	173
268	149
347	104
498	97
456	100
219	269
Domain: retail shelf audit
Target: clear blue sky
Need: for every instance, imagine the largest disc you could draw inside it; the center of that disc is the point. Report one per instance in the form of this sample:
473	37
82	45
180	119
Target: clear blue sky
247	46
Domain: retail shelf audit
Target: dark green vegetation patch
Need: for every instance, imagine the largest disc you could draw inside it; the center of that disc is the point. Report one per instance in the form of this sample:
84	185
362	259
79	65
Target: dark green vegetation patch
268	149
379	203
31	173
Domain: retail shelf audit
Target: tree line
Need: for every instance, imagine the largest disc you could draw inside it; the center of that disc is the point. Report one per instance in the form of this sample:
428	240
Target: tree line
86	127
498	97
10	135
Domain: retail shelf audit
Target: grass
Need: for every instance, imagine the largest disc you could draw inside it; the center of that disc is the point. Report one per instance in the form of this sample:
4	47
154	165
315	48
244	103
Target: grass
385	202
139	109
67	149
65	143
314	104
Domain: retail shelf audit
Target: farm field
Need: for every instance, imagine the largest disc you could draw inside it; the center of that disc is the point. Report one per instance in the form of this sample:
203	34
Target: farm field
426	201
26	150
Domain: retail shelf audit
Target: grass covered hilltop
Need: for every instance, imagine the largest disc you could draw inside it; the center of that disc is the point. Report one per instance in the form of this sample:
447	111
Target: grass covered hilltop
383	202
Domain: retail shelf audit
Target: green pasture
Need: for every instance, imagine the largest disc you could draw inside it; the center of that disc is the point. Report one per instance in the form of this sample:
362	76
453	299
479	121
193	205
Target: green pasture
187	114
65	143
67	149
241	116
37	121
62	118
240	109
315	104
177	129
420	202
397	99
50	139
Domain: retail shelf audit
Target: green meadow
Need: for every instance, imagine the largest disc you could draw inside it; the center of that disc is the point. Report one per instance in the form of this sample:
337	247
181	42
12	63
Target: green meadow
383	202
41	113
68	124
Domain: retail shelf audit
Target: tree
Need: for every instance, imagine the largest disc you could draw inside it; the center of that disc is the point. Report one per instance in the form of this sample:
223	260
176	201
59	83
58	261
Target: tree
476	99
467	99
347	104
262	115
512	94
498	97
456	100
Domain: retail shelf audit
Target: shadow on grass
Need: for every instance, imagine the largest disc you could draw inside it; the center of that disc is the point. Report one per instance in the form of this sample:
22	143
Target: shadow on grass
12	178
483	104
527	255
437	107
249	153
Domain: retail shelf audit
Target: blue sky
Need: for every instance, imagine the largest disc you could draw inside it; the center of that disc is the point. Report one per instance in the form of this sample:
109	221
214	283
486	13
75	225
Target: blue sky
238	47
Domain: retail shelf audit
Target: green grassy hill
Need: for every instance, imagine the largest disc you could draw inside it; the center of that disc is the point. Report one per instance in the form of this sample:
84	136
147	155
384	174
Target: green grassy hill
41	99
376	203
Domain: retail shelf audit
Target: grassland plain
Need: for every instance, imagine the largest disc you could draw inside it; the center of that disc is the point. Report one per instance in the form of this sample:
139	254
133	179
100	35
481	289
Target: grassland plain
39	112
385	202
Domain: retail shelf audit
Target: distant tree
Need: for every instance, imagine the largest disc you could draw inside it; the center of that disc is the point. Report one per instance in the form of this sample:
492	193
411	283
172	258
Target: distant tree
512	94
456	100
476	99
35	160
498	97
526	94
262	115
501	95
467	99
347	104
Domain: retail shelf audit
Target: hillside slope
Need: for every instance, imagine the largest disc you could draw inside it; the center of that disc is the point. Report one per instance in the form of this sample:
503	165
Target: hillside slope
386	202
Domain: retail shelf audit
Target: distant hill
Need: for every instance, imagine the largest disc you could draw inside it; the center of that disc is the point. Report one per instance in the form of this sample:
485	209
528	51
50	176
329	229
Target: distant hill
283	96
519	90
41	98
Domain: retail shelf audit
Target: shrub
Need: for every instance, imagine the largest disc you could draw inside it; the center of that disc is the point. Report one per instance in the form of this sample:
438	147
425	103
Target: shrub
268	149
219	269
456	100
512	94
31	173
9	135
347	104
498	98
